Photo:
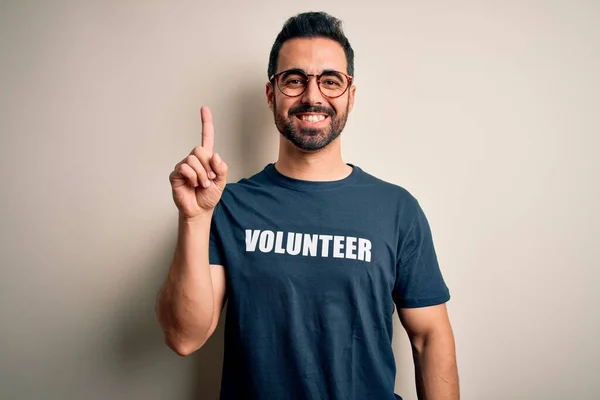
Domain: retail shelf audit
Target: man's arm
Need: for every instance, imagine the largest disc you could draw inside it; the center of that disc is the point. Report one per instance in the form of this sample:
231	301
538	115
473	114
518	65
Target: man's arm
191	299
434	353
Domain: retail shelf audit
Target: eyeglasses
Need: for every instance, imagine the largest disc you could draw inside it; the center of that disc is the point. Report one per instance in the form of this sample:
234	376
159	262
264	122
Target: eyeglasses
293	82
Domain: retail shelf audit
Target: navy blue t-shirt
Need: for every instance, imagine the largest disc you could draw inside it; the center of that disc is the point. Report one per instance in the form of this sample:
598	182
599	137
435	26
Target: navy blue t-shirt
313	272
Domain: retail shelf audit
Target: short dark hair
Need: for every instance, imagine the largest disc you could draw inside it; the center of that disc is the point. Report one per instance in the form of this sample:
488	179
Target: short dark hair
311	25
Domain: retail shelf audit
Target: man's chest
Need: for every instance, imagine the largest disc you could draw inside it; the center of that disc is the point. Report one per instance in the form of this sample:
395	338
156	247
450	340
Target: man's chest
344	249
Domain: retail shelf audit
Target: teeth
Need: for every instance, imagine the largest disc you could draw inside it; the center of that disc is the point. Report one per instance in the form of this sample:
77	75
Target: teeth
313	118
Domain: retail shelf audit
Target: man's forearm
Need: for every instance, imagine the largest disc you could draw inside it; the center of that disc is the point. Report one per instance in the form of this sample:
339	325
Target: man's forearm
185	302
436	373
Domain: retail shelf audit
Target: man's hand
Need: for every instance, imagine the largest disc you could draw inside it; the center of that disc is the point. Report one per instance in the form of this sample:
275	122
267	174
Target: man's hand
198	181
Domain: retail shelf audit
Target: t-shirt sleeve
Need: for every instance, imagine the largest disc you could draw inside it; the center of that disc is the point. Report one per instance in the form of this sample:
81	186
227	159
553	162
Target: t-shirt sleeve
419	281
215	247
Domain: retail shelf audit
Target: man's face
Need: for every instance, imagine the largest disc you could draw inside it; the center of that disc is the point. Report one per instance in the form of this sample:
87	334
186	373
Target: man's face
310	121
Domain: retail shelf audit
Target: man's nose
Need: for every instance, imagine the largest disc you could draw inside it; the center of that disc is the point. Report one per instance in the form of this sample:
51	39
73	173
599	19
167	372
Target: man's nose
312	94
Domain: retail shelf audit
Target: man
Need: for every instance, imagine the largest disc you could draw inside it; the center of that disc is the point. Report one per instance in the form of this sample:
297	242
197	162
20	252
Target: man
311	253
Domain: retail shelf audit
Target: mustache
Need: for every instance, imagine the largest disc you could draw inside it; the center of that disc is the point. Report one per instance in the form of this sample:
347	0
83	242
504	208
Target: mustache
310	109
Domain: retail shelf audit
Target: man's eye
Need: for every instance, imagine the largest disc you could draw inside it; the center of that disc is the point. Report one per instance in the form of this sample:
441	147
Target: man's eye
331	83
294	82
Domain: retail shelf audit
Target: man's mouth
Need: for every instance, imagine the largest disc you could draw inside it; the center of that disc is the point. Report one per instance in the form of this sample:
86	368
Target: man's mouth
312	118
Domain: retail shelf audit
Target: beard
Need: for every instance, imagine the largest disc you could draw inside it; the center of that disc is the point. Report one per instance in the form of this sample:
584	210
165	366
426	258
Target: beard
310	139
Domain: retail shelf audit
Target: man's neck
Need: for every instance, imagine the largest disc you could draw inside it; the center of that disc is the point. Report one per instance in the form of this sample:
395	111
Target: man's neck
324	165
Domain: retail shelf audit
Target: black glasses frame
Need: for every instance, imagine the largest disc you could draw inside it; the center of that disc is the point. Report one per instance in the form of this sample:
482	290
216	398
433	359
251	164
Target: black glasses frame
275	77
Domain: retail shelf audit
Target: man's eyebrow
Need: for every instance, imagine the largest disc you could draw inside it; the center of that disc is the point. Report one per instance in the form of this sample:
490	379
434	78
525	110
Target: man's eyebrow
292	70
330	72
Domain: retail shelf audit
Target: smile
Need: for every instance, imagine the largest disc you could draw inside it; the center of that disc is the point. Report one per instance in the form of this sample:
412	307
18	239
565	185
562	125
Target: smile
314	118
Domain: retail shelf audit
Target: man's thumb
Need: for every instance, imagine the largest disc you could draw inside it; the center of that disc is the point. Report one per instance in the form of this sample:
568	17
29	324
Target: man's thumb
220	168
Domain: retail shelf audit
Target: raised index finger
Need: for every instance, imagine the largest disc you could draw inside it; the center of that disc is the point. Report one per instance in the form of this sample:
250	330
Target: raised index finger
208	130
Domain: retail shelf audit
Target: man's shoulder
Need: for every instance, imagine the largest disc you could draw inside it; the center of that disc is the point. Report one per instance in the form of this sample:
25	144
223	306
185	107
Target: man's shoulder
250	183
382	186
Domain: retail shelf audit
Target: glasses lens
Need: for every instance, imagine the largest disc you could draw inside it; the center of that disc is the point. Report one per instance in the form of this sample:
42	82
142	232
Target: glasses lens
292	83
333	84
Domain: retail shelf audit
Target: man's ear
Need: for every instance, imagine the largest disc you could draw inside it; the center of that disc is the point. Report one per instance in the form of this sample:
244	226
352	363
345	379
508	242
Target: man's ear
270	96
352	91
